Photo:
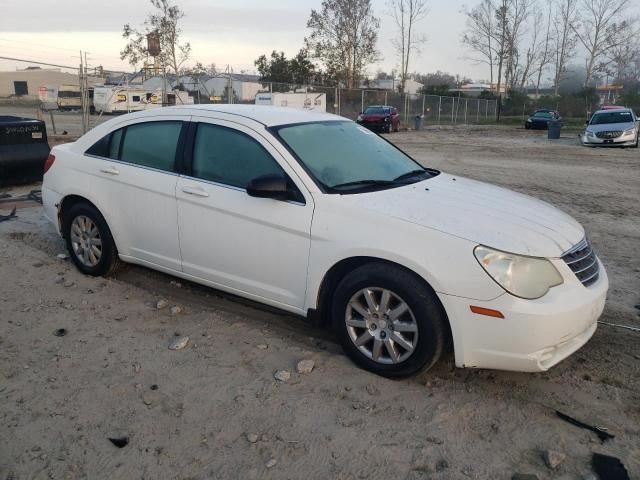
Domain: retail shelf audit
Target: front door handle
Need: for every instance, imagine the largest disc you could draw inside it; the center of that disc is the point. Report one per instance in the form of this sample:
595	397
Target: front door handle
110	171
197	191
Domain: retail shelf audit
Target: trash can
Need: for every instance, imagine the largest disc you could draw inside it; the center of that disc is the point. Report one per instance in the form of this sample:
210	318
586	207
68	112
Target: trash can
553	132
418	122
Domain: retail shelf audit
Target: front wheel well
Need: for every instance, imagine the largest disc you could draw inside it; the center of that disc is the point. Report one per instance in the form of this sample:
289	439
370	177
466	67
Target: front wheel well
341	269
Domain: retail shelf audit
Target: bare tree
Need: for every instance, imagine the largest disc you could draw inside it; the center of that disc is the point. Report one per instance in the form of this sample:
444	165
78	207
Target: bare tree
599	30
518	12
479	35
343	36
163	20
622	56
545	54
502	44
406	13
565	19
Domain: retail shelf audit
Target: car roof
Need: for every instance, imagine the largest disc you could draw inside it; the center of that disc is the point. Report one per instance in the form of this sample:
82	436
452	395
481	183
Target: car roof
611	107
609	110
264	114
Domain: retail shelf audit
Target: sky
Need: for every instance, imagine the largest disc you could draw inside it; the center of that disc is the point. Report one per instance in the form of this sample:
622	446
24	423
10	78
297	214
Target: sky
220	31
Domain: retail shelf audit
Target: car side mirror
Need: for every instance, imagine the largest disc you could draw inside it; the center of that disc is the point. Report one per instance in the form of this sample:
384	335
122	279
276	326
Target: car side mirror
269	186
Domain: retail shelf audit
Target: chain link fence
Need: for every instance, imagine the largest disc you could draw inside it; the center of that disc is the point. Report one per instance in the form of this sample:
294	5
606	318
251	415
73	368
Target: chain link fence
349	103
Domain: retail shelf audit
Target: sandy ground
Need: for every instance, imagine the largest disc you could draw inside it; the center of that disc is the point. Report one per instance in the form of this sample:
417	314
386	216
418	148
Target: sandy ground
214	409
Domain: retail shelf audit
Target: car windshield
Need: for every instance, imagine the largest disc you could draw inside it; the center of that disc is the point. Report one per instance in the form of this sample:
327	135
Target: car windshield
543	114
376	111
611	117
347	158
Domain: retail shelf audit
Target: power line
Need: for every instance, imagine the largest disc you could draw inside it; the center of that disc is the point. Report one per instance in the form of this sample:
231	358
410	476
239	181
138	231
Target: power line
38	63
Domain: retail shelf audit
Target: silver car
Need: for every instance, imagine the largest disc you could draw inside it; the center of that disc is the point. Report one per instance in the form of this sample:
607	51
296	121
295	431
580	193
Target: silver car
612	127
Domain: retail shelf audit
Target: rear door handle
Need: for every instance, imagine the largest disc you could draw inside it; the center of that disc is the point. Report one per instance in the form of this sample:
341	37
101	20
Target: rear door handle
110	171
197	191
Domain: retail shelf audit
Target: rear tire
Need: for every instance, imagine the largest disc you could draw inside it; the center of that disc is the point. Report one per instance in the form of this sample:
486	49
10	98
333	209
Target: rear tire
361	315
89	240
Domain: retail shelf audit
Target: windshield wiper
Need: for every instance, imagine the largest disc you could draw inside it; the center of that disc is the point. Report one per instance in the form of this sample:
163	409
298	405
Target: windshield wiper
365	183
408	175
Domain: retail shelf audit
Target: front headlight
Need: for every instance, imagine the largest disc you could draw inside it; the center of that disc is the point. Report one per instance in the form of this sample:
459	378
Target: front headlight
631	131
590	134
526	277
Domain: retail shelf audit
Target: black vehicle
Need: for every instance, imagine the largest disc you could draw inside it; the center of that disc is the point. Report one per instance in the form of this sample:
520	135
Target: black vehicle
23	149
540	119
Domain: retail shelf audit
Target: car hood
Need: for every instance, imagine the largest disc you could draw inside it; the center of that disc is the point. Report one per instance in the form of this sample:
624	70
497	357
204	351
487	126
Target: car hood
479	212
608	127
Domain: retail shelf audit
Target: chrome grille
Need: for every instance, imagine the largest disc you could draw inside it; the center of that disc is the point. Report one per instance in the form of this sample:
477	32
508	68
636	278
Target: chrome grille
609	134
582	261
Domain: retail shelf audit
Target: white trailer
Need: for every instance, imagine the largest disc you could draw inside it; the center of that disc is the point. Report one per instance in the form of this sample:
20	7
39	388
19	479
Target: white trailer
134	99
313	101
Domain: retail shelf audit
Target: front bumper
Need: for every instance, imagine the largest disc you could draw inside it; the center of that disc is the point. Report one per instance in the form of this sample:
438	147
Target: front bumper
378	125
622	141
534	335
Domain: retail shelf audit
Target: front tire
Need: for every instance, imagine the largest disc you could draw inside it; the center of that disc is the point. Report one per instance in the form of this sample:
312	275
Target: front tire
89	240
388	320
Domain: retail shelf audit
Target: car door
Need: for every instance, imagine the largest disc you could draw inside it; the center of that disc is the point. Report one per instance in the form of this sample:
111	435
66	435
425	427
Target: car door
256	247
136	175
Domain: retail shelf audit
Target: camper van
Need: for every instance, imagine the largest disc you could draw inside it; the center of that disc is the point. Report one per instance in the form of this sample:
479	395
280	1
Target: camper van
313	101
63	97
134	99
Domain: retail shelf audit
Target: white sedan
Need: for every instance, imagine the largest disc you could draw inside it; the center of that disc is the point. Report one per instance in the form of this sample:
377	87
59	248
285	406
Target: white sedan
315	215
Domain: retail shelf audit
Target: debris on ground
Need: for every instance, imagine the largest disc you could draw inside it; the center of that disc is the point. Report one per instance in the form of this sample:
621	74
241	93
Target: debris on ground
162	303
262	346
59	280
175	310
173	283
4	218
282	375
272	463
442	465
609	468
178	343
602	434
626	327
60	332
553	458
372	389
62	256
305	366
68	283
252	437
120	442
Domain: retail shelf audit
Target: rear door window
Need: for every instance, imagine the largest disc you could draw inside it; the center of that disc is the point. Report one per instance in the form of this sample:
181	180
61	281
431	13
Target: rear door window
152	144
108	146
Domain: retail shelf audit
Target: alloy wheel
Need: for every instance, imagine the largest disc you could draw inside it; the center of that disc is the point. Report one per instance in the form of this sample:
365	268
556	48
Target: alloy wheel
86	241
381	325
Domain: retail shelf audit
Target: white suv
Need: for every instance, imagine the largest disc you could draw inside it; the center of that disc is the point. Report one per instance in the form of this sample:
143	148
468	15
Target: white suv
316	215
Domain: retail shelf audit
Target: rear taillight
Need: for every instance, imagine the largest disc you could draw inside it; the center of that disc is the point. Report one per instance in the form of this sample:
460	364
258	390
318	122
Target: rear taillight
50	159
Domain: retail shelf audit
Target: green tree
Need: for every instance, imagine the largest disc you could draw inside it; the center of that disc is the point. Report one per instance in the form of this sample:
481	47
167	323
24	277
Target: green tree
164	20
344	34
277	68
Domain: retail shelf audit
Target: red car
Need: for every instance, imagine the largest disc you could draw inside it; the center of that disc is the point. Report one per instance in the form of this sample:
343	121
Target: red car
380	118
